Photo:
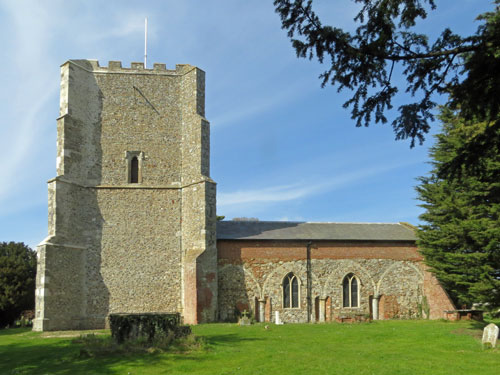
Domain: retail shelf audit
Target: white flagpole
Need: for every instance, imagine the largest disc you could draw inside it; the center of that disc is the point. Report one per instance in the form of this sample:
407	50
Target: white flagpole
145	42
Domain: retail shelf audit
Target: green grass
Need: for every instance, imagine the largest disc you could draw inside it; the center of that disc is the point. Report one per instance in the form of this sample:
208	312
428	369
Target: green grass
384	347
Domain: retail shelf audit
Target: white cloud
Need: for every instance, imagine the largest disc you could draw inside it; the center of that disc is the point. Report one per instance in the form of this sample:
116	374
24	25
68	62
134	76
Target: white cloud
290	218
296	190
268	194
29	91
254	108
126	23
264	100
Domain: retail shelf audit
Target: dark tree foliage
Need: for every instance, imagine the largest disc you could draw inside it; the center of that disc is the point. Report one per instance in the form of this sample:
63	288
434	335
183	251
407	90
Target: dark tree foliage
17	280
152	327
461	240
465	68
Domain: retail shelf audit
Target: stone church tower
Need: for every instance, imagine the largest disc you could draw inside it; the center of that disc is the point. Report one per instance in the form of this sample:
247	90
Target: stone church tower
132	209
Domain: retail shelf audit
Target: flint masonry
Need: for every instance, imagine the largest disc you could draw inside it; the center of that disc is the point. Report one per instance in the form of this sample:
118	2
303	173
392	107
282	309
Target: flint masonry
132	223
132	208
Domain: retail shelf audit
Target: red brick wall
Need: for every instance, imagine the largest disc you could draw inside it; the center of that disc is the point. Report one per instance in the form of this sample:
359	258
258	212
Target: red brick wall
240	250
437	298
267	312
388	307
328	309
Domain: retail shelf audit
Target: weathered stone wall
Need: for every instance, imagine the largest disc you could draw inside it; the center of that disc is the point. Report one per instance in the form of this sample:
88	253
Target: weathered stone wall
54	296
139	258
198	204
142	112
116	246
253	270
62	257
200	253
79	124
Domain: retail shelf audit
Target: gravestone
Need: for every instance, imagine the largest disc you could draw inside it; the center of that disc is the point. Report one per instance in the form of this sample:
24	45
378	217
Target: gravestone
490	335
277	318
245	320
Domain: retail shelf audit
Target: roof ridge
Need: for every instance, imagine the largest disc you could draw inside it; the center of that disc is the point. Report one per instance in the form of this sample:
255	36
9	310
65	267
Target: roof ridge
314	222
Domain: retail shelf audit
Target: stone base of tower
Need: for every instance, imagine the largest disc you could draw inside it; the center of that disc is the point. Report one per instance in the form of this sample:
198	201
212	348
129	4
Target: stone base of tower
59	290
58	324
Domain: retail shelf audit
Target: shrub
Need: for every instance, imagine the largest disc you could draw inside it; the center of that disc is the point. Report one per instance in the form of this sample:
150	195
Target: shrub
151	327
26	319
17	280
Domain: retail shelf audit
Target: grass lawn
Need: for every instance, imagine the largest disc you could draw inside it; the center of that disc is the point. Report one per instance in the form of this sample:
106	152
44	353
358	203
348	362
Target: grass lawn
383	347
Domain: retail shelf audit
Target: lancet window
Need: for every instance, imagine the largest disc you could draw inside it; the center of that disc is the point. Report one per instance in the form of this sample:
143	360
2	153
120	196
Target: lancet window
290	291
350	289
134	170
134	160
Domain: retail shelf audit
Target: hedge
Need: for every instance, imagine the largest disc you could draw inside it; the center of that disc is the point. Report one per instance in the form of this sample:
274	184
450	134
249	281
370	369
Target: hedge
146	326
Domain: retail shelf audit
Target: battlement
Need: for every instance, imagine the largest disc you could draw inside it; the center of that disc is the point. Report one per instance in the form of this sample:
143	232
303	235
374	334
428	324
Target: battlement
135	67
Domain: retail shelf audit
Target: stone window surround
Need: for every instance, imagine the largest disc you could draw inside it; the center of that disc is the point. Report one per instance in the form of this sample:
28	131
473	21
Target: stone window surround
129	155
351	276
299	286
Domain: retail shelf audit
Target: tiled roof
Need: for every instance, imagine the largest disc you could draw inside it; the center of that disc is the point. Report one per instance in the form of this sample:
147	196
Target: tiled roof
287	230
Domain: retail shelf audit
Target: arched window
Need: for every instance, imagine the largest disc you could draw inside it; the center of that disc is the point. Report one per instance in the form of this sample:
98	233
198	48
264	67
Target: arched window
134	170
133	162
350	288
290	291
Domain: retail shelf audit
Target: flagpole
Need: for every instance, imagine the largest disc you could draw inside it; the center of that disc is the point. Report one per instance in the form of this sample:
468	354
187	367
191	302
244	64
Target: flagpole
145	42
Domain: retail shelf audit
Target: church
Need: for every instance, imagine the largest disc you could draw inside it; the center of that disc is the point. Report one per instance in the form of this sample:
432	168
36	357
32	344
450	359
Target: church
132	224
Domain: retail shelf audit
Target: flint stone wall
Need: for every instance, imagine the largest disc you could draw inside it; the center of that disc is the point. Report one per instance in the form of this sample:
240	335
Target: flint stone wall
113	246
254	270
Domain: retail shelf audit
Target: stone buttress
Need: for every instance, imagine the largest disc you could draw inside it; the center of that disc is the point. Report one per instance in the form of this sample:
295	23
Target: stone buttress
132	209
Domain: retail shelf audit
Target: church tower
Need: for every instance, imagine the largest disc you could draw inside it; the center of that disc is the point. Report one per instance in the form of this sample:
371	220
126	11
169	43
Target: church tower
132	209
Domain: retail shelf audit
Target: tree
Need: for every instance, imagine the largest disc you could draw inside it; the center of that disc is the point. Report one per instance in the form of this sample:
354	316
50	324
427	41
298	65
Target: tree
17	280
461	240
465	68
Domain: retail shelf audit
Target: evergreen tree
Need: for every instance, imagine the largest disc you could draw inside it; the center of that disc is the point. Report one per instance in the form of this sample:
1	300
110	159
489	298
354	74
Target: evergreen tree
461	240
17	280
384	44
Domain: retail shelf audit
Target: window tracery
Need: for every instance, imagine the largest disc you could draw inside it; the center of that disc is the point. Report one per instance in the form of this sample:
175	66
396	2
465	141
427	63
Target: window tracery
290	291
350	291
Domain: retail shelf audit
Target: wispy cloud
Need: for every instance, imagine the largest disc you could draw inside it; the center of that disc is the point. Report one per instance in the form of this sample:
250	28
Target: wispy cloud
262	101
301	189
268	194
127	24
29	93
290	218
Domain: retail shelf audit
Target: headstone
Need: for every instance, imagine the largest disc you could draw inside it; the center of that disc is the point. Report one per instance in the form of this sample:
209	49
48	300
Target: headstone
245	320
490	335
277	319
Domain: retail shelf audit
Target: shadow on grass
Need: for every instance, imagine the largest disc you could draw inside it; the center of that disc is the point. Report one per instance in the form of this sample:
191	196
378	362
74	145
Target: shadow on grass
472	328
228	339
44	356
475	324
13	331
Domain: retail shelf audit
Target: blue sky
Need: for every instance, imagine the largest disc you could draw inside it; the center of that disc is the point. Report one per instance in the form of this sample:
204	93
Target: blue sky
282	148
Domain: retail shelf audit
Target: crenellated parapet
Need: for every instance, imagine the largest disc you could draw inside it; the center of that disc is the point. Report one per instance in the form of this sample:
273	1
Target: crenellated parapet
135	67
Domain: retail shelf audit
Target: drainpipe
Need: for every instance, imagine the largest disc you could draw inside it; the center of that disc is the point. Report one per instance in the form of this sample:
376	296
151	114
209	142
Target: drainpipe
309	282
